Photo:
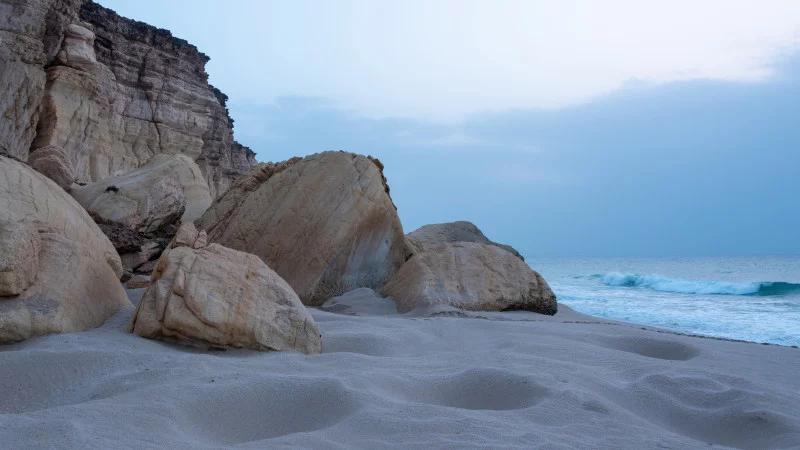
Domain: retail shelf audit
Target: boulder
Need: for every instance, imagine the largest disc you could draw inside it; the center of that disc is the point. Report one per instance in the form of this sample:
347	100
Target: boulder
168	189
325	223
466	275
430	236
60	272
216	297
51	161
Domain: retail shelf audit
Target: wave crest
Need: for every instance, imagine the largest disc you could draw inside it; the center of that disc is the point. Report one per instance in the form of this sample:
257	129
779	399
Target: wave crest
663	284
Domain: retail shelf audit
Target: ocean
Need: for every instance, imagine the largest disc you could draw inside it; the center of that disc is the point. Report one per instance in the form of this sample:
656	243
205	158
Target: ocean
749	298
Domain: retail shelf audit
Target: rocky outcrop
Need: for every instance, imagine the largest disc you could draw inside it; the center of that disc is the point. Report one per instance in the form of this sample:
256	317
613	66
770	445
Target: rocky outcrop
30	37
325	223
169	188
58	271
478	277
213	296
430	236
110	93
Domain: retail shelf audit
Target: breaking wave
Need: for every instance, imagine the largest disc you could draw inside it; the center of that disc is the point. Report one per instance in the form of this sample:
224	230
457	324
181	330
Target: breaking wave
663	284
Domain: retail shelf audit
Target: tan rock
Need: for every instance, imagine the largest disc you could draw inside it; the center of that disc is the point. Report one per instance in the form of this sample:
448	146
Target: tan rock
188	236
52	162
201	240
430	236
109	91
30	36
19	257
78	47
325	223
478	277
219	297
138	282
77	284
167	188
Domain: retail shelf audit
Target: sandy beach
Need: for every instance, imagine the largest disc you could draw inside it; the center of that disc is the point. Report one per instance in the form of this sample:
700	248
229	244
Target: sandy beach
435	379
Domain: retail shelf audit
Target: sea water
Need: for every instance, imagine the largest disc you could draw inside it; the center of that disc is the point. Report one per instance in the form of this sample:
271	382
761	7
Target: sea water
749	298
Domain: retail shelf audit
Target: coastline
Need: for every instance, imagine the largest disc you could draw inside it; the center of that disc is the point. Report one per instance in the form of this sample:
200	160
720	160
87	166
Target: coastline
644	326
439	378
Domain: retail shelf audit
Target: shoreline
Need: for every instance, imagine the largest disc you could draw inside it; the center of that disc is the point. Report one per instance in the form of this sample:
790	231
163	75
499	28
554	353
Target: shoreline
658	329
435	377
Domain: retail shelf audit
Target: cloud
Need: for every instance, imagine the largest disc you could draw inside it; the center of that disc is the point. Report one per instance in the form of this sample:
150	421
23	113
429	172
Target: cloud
441	60
697	167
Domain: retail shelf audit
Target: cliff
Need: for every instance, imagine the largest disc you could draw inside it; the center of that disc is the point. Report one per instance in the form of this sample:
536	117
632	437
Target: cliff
110	93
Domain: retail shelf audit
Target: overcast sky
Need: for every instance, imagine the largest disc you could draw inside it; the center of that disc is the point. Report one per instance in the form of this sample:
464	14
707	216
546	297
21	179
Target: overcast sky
562	128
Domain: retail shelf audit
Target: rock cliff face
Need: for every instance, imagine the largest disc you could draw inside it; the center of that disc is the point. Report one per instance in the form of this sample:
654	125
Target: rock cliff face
31	32
110	93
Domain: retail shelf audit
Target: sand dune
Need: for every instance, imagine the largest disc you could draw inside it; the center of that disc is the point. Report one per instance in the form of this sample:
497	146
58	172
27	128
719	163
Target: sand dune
438	378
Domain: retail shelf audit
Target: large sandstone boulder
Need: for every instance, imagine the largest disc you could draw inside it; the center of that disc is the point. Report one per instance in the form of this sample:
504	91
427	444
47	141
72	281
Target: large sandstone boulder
213	296
58	271
431	236
325	223
478	277
166	189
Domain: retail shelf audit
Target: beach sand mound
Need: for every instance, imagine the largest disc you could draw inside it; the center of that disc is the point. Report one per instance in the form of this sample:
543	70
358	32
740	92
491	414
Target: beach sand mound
505	380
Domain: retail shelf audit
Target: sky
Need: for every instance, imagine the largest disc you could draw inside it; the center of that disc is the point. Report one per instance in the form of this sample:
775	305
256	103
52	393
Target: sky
574	128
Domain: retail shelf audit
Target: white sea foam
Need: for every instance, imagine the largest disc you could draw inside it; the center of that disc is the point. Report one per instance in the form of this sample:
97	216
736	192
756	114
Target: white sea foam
679	285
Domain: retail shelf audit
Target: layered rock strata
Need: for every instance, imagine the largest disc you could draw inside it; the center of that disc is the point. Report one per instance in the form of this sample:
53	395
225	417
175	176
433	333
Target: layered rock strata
109	93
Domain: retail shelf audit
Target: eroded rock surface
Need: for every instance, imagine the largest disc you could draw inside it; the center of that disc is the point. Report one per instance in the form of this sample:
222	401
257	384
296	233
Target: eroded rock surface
19	259
110	93
325	223
31	35
466	275
60	272
213	296
430	236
